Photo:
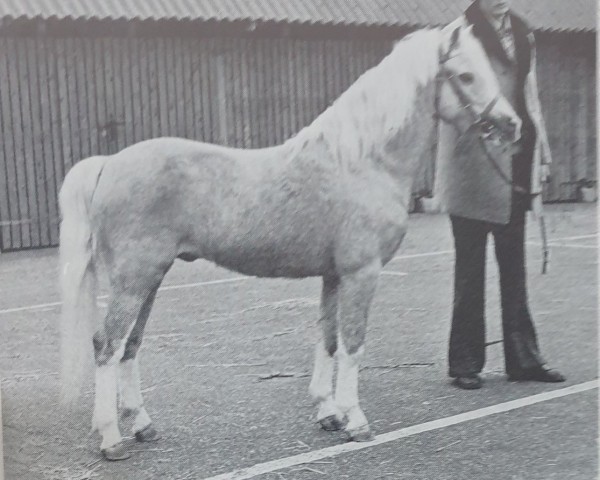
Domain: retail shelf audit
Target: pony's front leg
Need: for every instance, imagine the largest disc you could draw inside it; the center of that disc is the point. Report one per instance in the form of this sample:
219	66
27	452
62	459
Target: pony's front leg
321	385
356	293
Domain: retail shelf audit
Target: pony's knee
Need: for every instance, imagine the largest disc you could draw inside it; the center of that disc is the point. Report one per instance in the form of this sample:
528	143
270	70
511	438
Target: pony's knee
329	330
331	346
353	337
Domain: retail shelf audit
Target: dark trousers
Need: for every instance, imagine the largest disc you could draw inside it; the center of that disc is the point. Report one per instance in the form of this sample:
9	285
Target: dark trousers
467	337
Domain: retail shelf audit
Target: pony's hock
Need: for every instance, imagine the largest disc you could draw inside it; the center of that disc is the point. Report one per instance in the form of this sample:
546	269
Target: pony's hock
330	202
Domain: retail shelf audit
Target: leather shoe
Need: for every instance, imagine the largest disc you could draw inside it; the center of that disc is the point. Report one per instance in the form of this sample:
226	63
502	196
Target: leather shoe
537	374
472	382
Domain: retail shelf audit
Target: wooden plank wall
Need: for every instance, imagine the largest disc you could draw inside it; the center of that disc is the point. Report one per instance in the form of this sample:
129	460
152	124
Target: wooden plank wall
64	99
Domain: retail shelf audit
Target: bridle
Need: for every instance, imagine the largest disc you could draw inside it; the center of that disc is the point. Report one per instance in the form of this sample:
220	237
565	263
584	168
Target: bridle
480	122
484	129
479	118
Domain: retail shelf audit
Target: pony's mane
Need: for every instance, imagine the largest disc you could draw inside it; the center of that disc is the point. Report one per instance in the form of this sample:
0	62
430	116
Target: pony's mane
381	100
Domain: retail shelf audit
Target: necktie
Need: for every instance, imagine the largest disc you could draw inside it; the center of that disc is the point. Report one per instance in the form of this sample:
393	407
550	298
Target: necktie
506	38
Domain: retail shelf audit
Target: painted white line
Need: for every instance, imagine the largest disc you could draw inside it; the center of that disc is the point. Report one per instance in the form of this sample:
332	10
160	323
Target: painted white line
567	245
577	237
448	252
104	297
573	245
394	273
308	457
30	307
418	255
202	284
238	279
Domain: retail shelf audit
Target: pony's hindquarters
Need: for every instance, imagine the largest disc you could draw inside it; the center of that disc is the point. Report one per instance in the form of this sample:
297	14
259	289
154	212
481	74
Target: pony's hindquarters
77	276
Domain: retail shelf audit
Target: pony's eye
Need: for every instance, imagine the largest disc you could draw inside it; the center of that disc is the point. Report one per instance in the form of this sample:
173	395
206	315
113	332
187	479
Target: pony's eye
466	78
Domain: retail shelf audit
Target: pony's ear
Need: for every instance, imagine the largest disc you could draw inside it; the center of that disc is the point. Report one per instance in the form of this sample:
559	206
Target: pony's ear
454	39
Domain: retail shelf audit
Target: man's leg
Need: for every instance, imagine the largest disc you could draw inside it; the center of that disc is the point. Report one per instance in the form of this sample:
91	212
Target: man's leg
467	336
521	351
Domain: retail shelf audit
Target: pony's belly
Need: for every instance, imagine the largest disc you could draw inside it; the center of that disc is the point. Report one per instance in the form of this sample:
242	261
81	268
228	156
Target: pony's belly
271	264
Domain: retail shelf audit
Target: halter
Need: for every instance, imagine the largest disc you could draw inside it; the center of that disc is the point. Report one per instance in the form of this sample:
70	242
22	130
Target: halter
479	119
479	122
482	124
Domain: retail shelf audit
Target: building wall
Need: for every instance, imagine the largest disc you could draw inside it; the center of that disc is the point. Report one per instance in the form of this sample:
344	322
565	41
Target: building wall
567	84
67	98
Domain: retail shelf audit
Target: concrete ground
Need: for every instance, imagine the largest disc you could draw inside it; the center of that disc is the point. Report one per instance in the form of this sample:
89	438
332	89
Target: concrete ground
211	346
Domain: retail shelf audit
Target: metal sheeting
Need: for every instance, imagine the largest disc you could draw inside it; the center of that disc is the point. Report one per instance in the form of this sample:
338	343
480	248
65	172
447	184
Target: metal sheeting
552	15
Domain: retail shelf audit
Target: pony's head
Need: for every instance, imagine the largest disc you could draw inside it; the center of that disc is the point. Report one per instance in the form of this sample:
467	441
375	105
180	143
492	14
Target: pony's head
469	93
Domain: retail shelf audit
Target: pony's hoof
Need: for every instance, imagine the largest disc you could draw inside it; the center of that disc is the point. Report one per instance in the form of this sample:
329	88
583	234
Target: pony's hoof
360	434
147	434
332	423
116	452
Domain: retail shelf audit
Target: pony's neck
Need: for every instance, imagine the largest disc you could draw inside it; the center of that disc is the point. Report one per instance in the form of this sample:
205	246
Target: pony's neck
387	114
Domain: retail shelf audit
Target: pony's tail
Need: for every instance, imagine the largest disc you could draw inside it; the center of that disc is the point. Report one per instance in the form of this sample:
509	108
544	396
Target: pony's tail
77	277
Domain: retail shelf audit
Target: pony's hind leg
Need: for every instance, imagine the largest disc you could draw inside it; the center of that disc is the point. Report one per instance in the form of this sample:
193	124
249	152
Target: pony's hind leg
321	385
127	300
356	293
130	393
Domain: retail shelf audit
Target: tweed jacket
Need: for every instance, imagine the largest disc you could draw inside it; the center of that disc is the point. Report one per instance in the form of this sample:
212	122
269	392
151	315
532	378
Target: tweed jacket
466	182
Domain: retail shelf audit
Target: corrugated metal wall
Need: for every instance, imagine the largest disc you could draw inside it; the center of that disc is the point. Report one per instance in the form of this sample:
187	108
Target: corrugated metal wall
567	84
64	99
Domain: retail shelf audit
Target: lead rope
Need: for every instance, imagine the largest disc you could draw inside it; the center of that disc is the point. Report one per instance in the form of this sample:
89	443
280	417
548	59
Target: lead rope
545	249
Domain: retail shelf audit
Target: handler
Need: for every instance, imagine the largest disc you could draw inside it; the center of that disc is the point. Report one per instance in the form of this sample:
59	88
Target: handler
485	194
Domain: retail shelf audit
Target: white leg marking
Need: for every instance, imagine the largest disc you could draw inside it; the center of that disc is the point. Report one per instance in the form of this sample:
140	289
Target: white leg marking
321	384
131	395
346	393
105	408
105	418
